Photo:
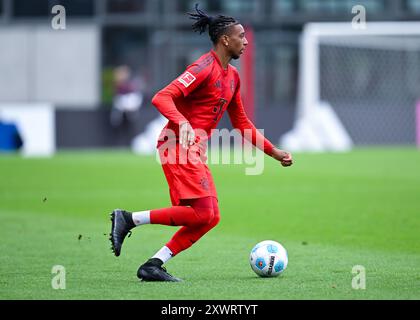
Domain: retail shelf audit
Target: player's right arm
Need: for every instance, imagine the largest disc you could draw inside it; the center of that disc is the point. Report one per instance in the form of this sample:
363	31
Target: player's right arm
165	99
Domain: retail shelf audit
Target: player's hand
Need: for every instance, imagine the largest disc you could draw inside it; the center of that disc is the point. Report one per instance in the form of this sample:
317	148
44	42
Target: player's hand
284	157
186	135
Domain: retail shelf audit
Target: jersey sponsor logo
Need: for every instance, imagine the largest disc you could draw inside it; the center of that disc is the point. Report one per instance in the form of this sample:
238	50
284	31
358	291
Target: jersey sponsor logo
186	79
232	85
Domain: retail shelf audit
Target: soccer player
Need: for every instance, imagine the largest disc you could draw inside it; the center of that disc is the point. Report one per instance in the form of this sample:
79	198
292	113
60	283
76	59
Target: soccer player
194	103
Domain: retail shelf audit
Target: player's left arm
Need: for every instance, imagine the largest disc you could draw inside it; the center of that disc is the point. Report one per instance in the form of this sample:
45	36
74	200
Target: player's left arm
241	122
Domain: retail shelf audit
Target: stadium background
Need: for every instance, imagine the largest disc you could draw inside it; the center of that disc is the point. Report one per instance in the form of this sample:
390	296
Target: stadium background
154	38
331	211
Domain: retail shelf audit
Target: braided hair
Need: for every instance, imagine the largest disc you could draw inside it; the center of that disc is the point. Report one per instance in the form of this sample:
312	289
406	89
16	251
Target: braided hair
217	25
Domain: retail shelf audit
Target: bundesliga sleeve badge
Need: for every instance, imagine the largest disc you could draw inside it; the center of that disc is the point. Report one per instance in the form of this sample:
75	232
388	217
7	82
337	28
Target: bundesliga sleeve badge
186	79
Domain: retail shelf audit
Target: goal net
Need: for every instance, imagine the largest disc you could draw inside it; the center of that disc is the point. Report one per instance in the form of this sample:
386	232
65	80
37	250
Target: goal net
357	87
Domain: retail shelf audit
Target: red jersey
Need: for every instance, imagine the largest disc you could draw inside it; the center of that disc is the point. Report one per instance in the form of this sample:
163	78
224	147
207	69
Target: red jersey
201	95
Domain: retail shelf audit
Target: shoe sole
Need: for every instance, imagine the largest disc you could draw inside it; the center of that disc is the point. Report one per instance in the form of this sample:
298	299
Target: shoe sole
146	278
111	235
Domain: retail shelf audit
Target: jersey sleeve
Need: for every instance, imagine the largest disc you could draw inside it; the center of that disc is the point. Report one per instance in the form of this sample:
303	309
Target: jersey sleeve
241	122
164	102
193	76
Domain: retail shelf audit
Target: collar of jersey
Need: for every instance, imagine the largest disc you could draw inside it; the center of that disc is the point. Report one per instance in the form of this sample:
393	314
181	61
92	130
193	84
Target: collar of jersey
218	60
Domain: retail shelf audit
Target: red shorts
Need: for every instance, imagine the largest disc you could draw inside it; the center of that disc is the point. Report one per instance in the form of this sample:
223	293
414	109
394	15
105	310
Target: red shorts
186	172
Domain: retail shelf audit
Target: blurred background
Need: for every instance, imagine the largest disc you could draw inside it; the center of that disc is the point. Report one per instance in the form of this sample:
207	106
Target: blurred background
90	85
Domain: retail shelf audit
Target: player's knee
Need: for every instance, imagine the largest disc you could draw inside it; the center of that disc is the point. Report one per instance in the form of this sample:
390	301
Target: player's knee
216	214
204	216
216	219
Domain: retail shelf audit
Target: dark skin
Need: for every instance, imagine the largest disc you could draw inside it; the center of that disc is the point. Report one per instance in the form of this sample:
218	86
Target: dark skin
231	46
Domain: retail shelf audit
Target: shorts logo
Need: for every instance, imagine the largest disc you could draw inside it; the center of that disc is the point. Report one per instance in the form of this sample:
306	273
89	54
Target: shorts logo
204	183
186	79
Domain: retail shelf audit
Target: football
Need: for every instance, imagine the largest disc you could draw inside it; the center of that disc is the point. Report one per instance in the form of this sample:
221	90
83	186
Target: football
268	259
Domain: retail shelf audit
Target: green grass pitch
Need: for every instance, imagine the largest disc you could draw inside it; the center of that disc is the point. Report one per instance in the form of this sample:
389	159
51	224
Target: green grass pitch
330	211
